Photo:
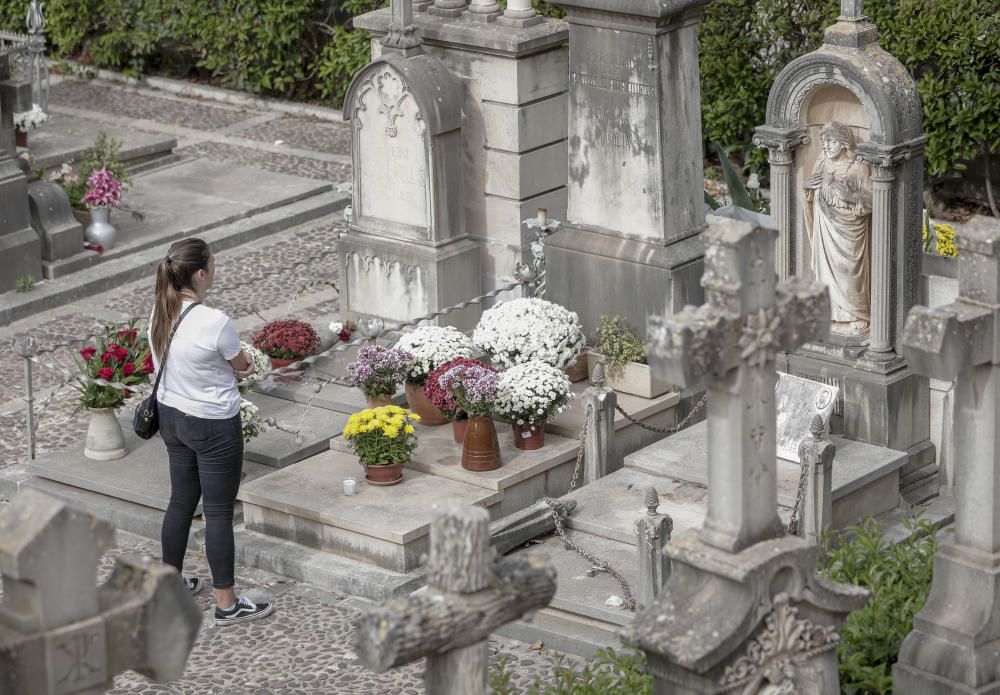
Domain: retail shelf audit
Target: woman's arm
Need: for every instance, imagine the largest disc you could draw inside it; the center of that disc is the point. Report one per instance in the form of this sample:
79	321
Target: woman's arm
242	365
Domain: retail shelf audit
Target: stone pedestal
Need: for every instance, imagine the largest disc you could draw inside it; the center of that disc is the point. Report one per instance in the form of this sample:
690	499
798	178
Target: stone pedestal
513	148
635	162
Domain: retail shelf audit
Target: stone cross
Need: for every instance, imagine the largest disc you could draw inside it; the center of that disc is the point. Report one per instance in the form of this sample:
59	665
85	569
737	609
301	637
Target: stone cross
59	632
956	636
469	595
730	343
402	36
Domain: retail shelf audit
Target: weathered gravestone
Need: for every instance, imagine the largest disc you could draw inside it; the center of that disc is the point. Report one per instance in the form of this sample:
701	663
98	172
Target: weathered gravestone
799	400
743	608
407	252
845	143
470	594
59	632
631	243
955	642
20	248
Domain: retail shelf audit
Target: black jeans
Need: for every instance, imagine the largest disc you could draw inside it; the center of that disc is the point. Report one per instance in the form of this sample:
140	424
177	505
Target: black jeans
206	459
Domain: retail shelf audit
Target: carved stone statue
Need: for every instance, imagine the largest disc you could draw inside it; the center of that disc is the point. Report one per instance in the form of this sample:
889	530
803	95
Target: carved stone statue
838	221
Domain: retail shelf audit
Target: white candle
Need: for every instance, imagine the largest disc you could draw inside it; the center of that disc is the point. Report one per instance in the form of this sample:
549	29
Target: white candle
543	217
349	486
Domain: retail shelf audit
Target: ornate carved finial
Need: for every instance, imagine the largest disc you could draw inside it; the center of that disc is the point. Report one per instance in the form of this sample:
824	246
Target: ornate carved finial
25	346
597	378
816	427
651	499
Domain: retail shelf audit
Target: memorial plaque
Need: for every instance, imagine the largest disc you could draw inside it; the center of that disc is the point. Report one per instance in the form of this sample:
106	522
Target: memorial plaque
797	401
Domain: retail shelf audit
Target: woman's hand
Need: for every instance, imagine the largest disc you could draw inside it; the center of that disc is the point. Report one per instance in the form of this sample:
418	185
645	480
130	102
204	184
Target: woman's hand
244	373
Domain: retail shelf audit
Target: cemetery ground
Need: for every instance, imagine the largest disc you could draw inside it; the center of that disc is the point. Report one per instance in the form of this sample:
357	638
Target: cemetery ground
305	646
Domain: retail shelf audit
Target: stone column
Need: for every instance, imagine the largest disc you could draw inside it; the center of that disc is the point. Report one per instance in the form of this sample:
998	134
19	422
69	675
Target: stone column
883	179
520	14
483	11
781	145
448	8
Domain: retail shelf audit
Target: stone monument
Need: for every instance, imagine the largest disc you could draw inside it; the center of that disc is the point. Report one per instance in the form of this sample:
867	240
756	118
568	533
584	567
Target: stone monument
20	248
743	609
631	244
845	143
59	632
406	253
956	636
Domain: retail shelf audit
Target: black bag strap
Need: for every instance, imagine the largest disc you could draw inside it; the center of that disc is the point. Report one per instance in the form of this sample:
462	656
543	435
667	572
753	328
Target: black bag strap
163	362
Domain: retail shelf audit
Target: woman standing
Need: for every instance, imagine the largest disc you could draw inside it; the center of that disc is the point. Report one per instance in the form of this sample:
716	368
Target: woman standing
199	414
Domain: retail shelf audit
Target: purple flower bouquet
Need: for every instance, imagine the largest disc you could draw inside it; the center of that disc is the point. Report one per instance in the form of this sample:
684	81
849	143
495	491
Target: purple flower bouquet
378	371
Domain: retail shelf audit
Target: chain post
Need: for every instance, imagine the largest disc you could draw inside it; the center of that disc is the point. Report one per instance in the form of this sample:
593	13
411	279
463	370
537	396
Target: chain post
26	349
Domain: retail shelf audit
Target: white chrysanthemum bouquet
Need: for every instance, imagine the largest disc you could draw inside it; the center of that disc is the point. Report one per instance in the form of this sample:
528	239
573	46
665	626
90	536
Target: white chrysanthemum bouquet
29	120
532	393
432	346
261	368
529	330
253	423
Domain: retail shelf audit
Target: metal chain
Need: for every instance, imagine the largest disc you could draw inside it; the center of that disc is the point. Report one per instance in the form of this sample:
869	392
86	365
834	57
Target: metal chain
793	522
666	430
597	563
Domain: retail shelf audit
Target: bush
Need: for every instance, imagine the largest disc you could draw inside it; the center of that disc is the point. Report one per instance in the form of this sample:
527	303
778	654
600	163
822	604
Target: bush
622	673
899	577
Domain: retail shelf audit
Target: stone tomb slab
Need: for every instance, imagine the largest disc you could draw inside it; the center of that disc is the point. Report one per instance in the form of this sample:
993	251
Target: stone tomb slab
64	138
278	449
523	478
384	526
865	478
142	476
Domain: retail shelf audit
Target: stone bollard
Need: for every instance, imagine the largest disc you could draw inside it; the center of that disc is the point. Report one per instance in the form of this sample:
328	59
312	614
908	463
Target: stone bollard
600	456
816	452
652	531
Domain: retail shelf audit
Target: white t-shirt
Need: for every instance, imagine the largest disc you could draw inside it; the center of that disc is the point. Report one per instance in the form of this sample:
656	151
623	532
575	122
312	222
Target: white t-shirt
199	380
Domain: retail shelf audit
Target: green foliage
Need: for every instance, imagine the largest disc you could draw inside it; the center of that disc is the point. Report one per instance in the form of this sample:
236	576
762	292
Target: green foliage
105	153
622	673
25	284
618	344
899	577
341	58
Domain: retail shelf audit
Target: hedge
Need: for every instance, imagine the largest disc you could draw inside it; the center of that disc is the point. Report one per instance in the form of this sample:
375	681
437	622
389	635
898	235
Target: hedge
305	49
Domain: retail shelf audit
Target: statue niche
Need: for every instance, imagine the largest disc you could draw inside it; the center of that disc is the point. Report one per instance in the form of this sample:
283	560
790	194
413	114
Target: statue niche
838	206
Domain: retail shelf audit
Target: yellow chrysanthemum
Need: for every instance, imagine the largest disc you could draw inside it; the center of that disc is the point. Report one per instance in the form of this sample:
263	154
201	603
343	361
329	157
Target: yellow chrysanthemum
391	432
409	429
414	417
367	414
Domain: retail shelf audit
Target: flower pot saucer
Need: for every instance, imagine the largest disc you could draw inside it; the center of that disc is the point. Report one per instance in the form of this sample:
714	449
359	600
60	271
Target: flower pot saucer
385	484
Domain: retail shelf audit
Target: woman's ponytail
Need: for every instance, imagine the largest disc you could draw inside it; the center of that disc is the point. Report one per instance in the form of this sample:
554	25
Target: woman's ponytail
184	259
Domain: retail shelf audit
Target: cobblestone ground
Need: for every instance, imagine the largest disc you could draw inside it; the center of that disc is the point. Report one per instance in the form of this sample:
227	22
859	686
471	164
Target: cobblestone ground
304	646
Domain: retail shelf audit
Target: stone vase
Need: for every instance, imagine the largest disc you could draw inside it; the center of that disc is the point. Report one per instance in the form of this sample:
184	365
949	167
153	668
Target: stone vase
481	447
378	401
21	139
529	437
422	406
458	428
100	231
384	475
105	438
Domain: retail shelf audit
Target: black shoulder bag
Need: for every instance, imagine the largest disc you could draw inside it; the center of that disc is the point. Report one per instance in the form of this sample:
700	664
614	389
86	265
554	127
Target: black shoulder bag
146	419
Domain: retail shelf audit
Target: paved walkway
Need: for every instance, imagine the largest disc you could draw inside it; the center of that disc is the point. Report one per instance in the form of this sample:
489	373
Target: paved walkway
304	647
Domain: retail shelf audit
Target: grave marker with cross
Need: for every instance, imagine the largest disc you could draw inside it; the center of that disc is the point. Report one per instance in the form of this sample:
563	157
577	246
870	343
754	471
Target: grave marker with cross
729	343
59	632
469	595
956	637
743	609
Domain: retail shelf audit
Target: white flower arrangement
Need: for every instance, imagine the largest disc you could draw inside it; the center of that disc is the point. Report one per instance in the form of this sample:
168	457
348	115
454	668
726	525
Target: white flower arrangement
531	393
261	368
432	346
253	424
29	120
527	330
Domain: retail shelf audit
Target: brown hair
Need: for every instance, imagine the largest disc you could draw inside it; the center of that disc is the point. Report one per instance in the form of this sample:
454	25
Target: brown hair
184	259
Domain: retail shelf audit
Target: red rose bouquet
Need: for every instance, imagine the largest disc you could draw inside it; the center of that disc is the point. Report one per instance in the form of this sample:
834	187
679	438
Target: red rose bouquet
287	339
443	397
119	354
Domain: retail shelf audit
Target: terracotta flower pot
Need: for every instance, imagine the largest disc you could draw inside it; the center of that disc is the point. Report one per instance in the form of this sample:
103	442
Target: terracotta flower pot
458	428
481	448
378	401
279	362
83	217
422	406
384	475
21	139
529	437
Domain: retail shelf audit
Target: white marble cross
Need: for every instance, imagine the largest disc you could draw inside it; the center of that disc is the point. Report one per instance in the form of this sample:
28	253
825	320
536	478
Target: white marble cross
730	343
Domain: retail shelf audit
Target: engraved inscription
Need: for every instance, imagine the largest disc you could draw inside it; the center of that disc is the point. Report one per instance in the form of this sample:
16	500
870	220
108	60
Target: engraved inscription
612	85
614	129
77	657
615	59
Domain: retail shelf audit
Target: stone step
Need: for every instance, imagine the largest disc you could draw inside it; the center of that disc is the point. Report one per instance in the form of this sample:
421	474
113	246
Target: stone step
189	198
523	478
142	476
322	569
277	448
110	273
563	632
64	138
385	526
342	399
126	516
865	478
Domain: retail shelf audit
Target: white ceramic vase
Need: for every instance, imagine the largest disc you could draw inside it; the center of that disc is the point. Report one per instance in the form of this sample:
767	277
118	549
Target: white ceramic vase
105	438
